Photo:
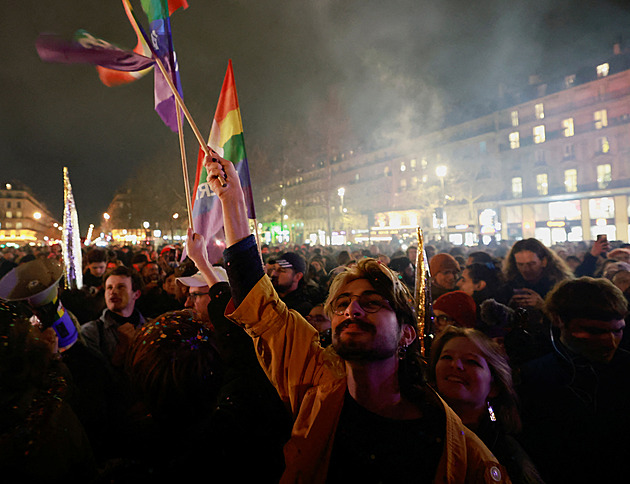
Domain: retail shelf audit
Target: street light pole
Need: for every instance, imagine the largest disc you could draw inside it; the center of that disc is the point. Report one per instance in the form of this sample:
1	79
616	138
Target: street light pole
341	192
283	204
175	217
106	217
440	171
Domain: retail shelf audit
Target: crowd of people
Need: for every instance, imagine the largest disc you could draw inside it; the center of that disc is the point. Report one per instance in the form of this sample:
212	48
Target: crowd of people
306	363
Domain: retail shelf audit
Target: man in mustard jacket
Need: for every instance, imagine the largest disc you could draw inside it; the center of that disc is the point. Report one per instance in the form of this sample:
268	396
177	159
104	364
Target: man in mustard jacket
361	412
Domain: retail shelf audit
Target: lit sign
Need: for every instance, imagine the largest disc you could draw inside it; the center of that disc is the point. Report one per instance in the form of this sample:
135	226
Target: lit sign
552	223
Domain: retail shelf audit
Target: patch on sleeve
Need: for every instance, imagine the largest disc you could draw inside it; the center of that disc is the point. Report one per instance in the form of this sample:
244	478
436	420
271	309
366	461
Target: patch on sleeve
495	474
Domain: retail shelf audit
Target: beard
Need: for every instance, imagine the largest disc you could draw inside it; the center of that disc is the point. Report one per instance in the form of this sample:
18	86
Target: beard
280	288
353	350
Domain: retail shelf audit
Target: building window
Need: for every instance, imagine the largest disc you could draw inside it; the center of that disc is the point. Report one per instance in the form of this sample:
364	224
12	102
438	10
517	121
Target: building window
601	119
603	145
8	204
540	157
9	214
19	204
539	134
568	152
602	70
542	184
539	111
570	180
514	118
18	225
517	187
604	175
567	126
403	185
514	140
413	164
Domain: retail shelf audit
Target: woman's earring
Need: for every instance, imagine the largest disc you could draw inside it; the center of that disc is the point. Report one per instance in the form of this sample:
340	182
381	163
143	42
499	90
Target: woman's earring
493	417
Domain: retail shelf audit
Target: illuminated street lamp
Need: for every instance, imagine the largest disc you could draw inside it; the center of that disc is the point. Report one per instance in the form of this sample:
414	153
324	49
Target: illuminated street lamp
146	226
440	171
175	217
341	192
37	215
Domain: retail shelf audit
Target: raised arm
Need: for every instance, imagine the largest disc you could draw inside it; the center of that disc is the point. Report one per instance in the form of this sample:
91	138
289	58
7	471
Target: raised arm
198	253
235	221
242	258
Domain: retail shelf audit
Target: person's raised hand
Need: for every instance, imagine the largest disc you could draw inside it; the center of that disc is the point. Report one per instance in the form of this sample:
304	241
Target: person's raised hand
196	247
222	176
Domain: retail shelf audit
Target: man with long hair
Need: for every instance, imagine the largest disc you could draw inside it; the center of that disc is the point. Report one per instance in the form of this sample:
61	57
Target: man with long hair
531	270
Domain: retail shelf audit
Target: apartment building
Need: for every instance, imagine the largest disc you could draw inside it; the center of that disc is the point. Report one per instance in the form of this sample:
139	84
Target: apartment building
551	162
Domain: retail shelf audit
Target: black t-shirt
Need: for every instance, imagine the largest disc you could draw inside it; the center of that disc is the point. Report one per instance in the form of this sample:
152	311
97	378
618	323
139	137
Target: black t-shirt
369	448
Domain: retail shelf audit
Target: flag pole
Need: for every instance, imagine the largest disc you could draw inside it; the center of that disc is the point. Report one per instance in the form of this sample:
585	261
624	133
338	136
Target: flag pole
257	238
180	103
182	149
171	85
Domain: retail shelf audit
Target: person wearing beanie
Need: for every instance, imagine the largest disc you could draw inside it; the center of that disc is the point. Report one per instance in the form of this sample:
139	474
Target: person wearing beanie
454	308
445	272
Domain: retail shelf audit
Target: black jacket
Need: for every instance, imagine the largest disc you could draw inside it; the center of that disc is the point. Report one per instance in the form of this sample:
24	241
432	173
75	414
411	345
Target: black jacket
576	417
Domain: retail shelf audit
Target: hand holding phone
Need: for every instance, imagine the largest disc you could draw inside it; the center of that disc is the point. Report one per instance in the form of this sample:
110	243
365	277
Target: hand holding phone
601	245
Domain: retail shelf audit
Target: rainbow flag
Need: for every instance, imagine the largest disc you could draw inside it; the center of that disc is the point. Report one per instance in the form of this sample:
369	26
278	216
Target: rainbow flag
226	138
87	49
161	44
158	12
111	77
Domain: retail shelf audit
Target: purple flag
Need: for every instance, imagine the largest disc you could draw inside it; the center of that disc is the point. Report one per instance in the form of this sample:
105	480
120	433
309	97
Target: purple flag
87	49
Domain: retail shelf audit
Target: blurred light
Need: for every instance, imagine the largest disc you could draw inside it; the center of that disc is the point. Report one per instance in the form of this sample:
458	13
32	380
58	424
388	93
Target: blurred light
37	215
106	216
175	216
441	171
146	224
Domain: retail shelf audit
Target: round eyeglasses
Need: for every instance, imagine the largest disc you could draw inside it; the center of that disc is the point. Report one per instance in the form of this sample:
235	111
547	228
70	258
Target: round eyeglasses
369	302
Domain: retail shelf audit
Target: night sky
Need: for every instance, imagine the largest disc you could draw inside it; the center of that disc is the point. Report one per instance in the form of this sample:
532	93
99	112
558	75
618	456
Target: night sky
395	67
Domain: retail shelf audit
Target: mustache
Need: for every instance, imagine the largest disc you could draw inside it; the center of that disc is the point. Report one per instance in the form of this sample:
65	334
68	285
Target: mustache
363	326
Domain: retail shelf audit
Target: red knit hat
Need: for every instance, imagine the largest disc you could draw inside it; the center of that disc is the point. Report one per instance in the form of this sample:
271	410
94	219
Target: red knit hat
443	262
459	306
